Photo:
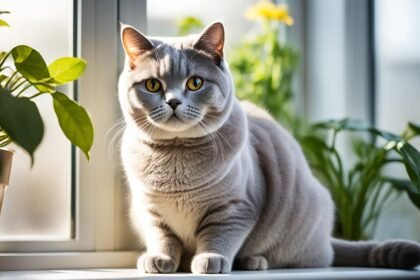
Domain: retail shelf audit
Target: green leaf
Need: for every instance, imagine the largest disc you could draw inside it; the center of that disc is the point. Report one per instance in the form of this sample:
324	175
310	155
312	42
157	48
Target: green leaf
74	122
406	186
21	120
66	69
189	24
414	127
356	125
3	77
32	66
2	55
3	23
411	158
4	12
411	131
387	135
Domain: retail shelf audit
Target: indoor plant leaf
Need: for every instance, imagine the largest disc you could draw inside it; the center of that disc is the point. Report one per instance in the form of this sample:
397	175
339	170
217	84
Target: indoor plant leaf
32	66
411	158
21	120
414	127
2	55
406	186
74	121
3	77
66	69
3	23
411	131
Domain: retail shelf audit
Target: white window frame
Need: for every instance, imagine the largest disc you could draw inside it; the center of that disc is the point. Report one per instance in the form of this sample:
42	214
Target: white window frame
100	213
351	76
99	188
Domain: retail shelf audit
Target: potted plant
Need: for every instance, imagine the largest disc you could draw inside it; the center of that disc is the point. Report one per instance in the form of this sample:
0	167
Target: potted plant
24	76
362	189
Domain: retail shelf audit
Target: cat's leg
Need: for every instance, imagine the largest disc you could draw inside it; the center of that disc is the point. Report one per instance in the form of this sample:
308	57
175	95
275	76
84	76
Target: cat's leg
219	237
251	263
164	249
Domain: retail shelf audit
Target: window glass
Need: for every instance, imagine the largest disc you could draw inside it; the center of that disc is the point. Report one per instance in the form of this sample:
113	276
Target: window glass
398	96
162	21
37	205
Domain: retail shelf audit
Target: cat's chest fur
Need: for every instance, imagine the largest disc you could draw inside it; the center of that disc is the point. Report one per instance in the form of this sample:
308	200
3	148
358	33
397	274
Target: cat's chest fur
182	218
174	167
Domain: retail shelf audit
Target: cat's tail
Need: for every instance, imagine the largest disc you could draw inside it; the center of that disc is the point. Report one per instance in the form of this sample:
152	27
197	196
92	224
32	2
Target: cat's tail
401	254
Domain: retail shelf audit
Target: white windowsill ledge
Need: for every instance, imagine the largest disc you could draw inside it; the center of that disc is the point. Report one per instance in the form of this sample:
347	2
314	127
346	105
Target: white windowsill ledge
126	274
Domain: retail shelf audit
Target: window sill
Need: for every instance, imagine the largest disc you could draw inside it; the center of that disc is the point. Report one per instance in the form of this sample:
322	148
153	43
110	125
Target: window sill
122	274
53	261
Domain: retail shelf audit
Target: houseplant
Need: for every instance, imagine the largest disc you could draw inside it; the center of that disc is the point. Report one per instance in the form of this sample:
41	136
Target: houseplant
263	65
24	76
362	190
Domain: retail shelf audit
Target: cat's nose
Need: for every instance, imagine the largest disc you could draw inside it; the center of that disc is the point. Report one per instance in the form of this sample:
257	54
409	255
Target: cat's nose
174	102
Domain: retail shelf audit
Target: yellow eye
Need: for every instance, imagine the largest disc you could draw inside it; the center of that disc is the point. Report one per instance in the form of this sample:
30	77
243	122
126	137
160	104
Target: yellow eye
194	83
153	85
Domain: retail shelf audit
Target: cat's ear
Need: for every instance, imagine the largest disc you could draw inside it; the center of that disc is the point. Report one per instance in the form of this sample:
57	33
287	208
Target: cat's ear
134	43
212	40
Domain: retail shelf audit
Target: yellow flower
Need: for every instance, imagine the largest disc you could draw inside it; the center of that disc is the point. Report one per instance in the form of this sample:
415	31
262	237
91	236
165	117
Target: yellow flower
268	10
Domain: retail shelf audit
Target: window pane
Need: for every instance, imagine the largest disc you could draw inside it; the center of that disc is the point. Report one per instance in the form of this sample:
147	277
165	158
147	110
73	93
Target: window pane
162	22
398	96
38	201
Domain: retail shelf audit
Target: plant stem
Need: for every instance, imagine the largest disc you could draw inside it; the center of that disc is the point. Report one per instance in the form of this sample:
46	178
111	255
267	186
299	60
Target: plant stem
13	84
22	90
6	141
10	79
36	95
18	86
4	59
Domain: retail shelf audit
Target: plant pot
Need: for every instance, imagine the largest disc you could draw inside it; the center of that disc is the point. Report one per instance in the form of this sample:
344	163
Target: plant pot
6	157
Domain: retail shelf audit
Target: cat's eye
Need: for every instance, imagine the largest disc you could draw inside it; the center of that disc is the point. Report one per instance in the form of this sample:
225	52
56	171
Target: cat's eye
194	83
153	85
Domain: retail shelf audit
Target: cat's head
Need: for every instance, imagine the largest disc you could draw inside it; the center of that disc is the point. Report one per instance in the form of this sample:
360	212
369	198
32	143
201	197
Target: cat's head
175	87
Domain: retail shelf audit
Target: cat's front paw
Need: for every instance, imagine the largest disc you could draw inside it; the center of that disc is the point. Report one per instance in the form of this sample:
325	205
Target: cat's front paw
210	263
156	263
252	263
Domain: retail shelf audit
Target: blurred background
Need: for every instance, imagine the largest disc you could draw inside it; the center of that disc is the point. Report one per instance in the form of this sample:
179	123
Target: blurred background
336	59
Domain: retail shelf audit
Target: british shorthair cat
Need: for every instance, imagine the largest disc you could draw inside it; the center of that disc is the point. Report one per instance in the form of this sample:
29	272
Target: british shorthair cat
216	183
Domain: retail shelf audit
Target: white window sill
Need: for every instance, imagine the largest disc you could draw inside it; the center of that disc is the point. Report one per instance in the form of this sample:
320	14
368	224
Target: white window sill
122	274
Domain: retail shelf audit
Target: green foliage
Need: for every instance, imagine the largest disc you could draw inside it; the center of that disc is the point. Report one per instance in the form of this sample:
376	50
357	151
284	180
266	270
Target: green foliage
20	120
263	69
30	64
361	191
189	25
66	69
74	121
3	23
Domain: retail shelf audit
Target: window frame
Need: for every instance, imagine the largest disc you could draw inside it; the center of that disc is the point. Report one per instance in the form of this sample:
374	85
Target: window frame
353	44
99	188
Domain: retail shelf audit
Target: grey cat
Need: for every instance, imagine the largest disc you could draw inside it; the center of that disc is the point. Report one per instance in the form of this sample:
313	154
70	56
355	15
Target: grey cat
217	184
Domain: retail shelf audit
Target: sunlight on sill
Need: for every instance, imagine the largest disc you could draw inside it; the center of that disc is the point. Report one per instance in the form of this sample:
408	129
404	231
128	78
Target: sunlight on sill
327	273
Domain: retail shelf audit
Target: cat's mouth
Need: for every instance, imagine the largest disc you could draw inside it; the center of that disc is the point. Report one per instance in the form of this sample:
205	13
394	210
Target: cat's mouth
174	118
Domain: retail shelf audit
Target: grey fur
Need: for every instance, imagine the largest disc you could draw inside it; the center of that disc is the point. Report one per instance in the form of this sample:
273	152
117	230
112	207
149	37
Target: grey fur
222	184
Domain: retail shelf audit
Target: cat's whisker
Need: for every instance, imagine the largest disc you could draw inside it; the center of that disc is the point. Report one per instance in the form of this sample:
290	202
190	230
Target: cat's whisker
226	122
219	134
116	129
116	125
215	140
